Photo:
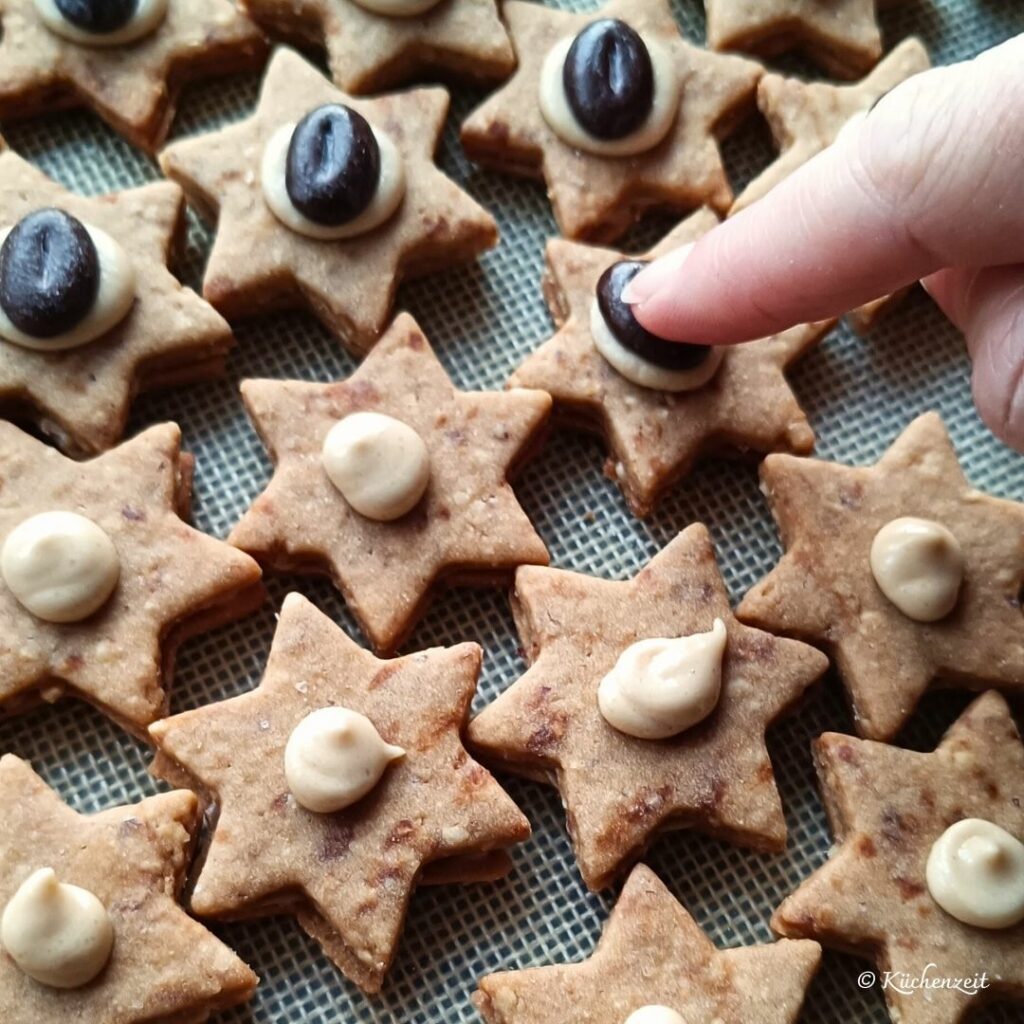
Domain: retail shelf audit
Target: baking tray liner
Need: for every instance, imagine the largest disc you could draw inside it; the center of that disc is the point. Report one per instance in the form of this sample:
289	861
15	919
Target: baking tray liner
483	320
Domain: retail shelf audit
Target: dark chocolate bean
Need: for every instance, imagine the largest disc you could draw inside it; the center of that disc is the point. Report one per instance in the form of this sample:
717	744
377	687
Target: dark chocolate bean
49	273
618	315
609	79
333	165
98	16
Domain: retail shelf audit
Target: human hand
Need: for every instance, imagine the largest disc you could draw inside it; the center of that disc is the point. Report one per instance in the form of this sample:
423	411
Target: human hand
929	185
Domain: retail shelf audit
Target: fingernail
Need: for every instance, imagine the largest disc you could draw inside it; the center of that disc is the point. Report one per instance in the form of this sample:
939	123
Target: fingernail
657	275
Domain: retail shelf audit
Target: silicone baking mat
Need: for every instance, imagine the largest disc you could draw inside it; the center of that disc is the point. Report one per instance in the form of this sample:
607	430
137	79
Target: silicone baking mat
483	320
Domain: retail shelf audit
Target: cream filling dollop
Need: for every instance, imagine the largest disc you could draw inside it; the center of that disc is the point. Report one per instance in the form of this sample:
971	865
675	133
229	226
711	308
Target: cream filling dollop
655	1013
58	934
556	110
398	8
334	757
148	16
646	374
380	465
114	300
60	566
919	566
661	687
390	189
975	872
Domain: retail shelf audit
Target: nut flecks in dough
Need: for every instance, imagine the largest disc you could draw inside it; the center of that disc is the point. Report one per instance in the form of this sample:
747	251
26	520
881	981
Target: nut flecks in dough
716	776
805	117
598	197
174	581
163	965
133	87
80	397
369	52
842	36
823	589
258	264
346	876
468	525
655	437
888	807
653	952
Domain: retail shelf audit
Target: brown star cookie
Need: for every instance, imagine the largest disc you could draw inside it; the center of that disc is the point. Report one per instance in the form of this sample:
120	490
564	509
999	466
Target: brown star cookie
715	776
467	528
842	36
823	590
257	263
369	52
806	117
163	965
174	581
81	396
133	87
652	953
598	197
656	436
887	807
348	875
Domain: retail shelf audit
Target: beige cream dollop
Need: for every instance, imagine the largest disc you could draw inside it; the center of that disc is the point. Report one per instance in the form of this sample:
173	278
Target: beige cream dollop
60	935
919	566
61	566
660	687
380	465
975	872
655	1013
334	757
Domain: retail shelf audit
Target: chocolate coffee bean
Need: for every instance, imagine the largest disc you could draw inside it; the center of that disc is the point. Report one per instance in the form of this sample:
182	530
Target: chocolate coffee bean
99	16
609	79
333	165
627	330
49	273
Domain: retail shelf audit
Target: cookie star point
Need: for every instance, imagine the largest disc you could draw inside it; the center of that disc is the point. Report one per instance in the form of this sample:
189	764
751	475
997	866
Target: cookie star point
133	86
824	590
355	868
133	859
258	263
652	952
172	582
549	721
873	894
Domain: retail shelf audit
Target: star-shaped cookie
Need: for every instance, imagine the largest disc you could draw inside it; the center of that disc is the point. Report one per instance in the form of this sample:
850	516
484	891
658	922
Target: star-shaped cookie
258	264
652	952
174	581
368	51
163	966
824	591
656	436
467	528
887	807
842	36
81	396
597	197
806	117
715	776
348	875
133	87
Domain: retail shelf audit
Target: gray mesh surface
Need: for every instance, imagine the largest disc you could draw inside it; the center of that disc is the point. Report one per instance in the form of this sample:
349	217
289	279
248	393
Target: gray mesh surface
483	321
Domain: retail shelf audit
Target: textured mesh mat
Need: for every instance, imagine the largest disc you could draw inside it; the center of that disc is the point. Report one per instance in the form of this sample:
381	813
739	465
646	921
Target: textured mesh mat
858	394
